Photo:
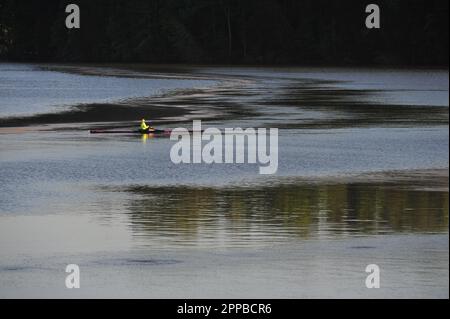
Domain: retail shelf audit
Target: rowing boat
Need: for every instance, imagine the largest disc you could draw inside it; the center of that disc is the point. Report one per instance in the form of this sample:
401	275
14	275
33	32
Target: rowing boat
155	131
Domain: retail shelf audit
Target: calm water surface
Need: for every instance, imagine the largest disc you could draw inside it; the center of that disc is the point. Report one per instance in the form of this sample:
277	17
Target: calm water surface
362	178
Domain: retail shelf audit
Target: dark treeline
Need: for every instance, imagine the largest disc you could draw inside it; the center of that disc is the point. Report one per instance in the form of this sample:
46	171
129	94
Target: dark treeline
226	31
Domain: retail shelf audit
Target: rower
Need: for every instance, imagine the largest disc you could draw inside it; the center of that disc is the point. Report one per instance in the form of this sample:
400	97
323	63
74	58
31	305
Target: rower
145	127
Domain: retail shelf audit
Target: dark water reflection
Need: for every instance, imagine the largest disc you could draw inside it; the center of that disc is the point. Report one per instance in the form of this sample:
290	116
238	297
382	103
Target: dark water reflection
244	216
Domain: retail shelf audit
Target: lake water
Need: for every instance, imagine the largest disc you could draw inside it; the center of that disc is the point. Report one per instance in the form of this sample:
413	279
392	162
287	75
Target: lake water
362	178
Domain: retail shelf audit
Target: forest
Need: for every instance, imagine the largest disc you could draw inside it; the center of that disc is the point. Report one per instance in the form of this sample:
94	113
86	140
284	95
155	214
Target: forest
269	32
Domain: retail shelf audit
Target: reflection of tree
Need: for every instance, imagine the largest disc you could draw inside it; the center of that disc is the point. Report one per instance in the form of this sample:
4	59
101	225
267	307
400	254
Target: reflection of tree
287	210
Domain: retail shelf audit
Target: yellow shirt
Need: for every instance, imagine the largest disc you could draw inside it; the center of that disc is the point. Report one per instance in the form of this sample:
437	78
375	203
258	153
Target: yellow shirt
144	126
